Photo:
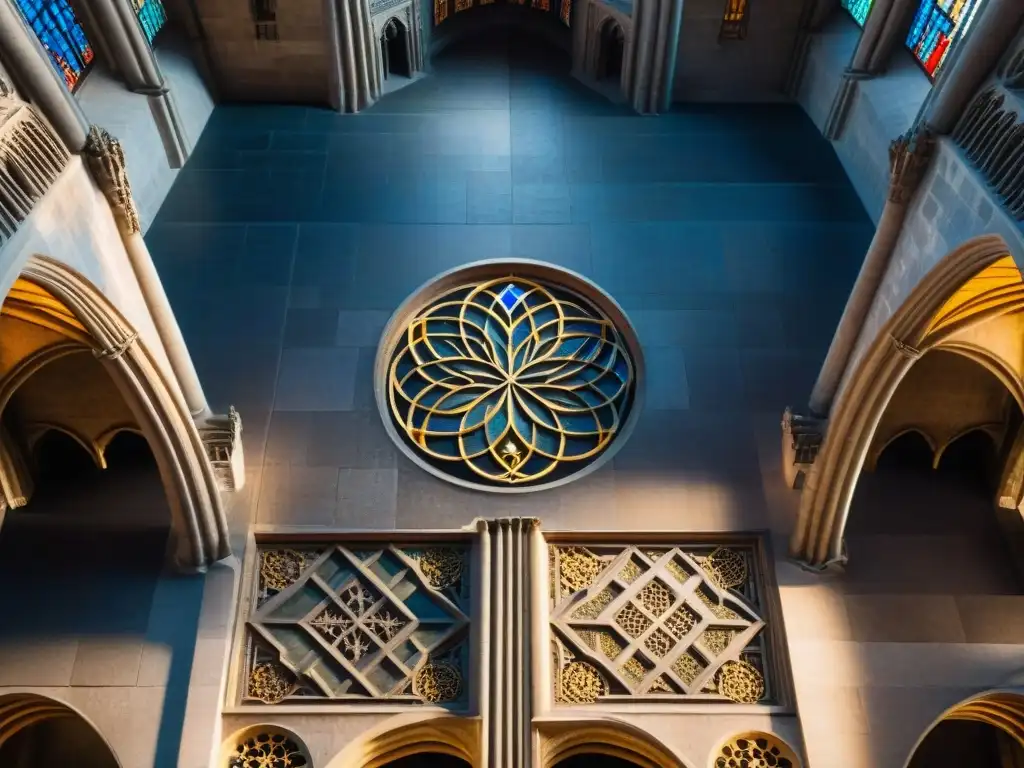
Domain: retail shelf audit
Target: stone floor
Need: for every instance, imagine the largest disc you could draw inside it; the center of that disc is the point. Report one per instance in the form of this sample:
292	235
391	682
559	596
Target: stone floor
729	234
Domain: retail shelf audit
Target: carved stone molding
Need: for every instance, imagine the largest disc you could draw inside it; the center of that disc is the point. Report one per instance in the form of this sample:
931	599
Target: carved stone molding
106	160
222	436
15	478
802	437
992	136
909	156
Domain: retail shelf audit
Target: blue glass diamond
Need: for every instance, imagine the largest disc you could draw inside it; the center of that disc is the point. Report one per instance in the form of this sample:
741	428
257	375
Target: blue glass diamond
510	296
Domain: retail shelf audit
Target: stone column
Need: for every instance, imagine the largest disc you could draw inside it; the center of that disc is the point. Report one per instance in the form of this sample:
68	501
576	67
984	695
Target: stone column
29	65
107	164
997	23
507	705
354	79
651	68
882	30
137	64
908	159
813	14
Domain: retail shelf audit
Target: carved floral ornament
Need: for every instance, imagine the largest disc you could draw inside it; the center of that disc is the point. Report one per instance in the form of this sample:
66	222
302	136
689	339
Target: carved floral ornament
507	383
659	622
267	747
378	622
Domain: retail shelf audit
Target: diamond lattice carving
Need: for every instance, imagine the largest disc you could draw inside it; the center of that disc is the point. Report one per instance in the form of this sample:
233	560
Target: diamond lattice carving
671	621
337	624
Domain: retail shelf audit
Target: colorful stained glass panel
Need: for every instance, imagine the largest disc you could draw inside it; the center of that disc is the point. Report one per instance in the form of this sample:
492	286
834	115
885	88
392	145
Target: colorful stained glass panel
937	25
566	12
57	28
151	16
859	9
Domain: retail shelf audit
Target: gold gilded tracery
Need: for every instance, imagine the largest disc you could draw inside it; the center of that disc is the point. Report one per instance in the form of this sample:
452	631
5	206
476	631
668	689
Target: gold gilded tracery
659	622
334	623
510	382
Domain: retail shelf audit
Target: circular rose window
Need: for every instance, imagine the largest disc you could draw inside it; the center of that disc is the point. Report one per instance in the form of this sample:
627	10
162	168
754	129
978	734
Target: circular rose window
508	376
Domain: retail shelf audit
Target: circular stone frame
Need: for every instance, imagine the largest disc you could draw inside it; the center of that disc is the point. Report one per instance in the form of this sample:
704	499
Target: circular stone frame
479	271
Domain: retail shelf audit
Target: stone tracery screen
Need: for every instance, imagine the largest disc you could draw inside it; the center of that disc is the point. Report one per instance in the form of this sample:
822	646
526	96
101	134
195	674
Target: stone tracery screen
356	621
659	622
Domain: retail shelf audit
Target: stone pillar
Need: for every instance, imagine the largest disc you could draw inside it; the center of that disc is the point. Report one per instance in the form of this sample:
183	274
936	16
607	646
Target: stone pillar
354	79
651	66
29	65
813	14
137	64
506	706
107	164
908	159
882	30
997	23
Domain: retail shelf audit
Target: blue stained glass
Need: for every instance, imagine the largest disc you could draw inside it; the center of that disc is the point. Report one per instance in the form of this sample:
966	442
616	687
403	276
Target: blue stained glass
937	25
510	296
57	27
151	16
859	9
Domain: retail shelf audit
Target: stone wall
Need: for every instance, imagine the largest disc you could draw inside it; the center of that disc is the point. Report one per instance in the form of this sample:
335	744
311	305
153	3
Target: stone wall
952	206
752	69
881	108
127	116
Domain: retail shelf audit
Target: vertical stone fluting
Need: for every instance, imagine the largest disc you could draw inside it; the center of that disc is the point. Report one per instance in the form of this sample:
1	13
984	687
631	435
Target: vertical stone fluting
351	42
508	703
650	74
909	157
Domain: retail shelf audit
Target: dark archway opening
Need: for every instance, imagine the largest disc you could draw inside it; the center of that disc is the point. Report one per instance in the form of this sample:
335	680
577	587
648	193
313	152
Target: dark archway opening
129	450
971	461
64	738
428	760
59	459
595	760
909	452
959	743
613	47
394	50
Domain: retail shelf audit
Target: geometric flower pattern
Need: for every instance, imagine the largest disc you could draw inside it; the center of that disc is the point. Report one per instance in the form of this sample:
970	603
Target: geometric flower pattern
335	623
658	622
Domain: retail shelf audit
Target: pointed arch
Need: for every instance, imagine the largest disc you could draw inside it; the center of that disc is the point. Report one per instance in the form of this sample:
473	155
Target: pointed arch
260	742
605	736
945	302
68	302
872	461
412	734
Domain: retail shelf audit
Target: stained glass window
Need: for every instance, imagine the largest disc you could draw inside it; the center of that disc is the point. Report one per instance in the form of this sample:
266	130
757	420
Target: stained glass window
937	25
62	36
151	15
566	11
734	20
859	9
509	382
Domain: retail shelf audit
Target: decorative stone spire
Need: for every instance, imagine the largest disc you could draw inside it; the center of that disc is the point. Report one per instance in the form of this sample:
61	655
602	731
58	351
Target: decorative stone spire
105	158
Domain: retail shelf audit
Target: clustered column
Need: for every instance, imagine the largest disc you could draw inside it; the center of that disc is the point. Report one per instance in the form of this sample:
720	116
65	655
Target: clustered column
651	59
354	79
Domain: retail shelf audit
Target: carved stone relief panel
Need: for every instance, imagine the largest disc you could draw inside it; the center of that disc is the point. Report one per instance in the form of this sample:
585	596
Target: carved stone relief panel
658	622
357	622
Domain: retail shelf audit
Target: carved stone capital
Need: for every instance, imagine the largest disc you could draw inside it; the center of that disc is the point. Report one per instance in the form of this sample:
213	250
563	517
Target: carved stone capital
105	158
802	436
117	349
905	349
909	156
222	438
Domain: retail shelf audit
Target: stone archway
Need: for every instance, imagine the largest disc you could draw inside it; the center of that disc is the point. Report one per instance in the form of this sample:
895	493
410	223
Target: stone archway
37	732
405	736
944	303
561	741
1000	711
56	297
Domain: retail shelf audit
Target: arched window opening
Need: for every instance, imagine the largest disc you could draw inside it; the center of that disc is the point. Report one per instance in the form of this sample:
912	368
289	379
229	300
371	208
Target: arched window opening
61	460
394	50
971	461
909	452
858	9
613	46
595	760
428	760
937	26
129	450
956	743
36	732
